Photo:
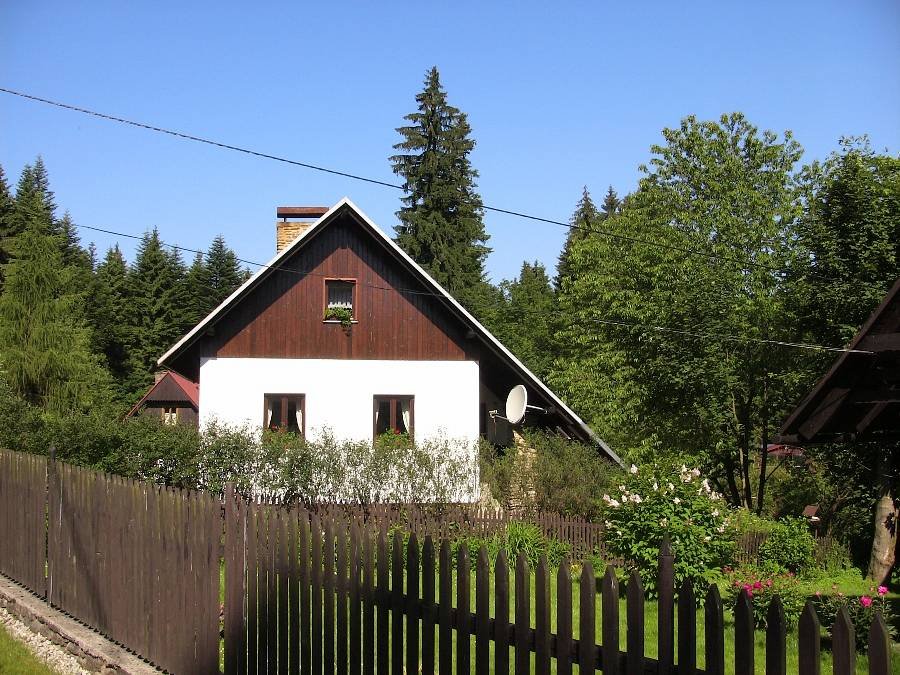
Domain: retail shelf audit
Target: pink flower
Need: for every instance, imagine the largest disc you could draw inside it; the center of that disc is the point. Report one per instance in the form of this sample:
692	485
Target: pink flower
768	582
882	590
748	587
757	585
865	601
818	594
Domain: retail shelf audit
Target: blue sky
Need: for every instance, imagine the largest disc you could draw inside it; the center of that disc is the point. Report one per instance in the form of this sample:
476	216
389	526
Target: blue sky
559	95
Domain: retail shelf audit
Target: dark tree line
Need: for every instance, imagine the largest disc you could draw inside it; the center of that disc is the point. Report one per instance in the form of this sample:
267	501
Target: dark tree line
76	332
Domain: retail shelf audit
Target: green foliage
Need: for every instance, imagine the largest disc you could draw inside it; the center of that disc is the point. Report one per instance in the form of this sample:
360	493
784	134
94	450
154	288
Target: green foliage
861	610
662	500
528	300
724	190
519	537
763	586
159	308
212	278
789	546
44	341
441	224
342	314
569	478
566	477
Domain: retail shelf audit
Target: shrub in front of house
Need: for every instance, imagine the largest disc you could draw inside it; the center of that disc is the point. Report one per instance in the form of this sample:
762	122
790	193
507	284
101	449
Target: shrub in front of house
661	500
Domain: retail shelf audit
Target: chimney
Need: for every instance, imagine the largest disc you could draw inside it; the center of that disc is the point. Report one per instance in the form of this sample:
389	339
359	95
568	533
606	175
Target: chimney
294	221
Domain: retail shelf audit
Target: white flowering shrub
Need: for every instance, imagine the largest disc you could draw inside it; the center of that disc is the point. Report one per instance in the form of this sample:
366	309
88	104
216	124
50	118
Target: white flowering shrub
660	499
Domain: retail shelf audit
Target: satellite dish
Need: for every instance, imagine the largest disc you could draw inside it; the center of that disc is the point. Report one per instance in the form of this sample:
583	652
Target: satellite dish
516	404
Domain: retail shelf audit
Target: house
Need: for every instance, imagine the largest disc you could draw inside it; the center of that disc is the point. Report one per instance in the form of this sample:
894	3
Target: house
173	398
342	330
858	400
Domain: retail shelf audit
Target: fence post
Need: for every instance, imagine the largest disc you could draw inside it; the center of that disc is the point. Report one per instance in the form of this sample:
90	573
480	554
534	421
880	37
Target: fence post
714	632
776	632
610	623
634	608
843	644
234	581
51	532
879	647
587	620
743	635
687	629
809	641
666	617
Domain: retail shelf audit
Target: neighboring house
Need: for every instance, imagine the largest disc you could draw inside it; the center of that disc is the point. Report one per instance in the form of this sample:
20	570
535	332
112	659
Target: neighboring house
174	399
858	400
342	330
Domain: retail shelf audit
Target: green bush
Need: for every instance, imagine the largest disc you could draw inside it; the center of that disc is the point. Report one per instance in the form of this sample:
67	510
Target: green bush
762	586
569	478
789	546
661	500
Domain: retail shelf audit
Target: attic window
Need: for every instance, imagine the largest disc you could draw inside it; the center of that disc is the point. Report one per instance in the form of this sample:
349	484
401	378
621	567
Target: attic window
339	299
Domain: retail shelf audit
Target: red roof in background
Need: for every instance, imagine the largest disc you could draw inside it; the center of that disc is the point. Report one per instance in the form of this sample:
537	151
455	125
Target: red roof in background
784	450
191	390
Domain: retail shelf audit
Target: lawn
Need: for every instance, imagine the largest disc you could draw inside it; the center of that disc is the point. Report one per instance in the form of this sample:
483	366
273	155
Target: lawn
15	658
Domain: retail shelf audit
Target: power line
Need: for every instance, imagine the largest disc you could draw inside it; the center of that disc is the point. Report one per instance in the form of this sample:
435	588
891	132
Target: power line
743	263
412	291
735	338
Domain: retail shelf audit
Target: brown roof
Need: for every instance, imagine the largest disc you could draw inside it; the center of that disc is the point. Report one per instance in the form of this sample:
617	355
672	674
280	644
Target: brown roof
859	397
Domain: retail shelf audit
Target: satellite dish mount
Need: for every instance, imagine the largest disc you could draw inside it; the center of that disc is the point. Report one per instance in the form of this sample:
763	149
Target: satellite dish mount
517	406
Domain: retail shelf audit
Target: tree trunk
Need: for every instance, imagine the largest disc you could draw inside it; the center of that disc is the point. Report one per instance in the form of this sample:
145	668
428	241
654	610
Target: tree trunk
884	543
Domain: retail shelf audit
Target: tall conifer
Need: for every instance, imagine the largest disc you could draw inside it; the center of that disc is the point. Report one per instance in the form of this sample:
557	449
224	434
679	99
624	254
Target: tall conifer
6	210
441	224
585	217
108	312
159	307
44	342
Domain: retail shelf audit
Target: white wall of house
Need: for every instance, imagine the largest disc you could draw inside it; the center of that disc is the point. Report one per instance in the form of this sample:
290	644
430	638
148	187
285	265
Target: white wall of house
339	394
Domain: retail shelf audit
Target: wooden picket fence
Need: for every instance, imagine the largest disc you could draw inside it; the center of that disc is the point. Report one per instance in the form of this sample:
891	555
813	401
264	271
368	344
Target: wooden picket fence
311	594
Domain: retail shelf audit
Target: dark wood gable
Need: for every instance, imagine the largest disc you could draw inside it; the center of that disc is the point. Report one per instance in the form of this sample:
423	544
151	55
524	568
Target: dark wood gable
859	397
397	316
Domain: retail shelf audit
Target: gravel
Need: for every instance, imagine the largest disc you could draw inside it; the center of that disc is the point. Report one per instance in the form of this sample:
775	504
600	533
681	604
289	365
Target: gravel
54	656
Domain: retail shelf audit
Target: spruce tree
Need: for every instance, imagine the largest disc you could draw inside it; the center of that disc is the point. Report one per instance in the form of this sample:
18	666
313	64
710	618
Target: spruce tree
44	342
583	220
441	224
611	204
159	308
108	312
6	210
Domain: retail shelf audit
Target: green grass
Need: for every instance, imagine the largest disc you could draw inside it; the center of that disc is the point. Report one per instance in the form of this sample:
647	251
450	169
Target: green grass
15	658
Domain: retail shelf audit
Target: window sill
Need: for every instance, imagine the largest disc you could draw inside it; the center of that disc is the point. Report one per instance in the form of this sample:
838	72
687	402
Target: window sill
338	321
